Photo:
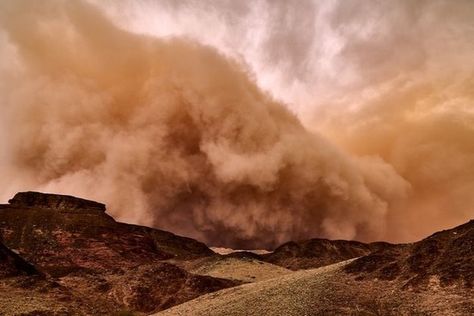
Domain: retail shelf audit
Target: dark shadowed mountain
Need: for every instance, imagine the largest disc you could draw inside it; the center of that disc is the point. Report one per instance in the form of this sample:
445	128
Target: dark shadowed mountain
110	264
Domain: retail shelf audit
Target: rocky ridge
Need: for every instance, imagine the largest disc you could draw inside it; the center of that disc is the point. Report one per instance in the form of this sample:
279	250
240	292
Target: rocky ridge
62	255
446	257
78	246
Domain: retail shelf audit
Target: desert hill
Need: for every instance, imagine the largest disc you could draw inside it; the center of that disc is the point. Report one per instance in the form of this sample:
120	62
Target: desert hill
311	253
446	257
315	253
429	277
105	263
58	232
61	255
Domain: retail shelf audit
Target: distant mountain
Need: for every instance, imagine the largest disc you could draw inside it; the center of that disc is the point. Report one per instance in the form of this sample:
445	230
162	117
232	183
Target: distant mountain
308	254
314	253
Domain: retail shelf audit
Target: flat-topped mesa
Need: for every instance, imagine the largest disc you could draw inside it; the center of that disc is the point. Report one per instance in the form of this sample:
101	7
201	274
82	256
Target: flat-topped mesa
54	201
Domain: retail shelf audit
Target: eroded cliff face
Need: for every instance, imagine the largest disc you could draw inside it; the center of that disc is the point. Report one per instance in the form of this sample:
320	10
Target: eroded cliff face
76	244
54	201
79	233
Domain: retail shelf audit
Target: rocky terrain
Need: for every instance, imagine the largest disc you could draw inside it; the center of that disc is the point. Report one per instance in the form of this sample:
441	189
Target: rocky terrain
26	291
64	233
430	277
328	290
446	257
315	253
61	255
112	265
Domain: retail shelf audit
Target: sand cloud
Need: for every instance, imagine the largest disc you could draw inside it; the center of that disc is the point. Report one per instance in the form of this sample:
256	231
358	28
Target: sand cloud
179	135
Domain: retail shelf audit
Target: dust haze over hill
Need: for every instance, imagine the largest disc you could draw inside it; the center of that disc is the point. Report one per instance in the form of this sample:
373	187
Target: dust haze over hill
174	134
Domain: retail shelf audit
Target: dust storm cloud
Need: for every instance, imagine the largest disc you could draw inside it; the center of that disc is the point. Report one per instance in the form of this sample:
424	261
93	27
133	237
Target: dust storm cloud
413	106
179	135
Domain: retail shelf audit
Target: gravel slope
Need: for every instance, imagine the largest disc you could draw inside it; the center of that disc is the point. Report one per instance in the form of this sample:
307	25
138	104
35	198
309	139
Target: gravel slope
329	290
286	295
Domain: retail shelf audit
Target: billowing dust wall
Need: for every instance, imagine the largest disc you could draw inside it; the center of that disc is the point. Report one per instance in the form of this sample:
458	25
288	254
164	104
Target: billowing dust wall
173	134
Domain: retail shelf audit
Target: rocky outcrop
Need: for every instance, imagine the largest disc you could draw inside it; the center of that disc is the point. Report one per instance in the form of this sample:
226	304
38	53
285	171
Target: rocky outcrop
53	201
81	236
75	243
446	257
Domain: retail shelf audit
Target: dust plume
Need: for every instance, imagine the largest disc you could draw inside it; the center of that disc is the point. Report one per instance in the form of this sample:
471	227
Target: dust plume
177	134
412	105
391	79
171	134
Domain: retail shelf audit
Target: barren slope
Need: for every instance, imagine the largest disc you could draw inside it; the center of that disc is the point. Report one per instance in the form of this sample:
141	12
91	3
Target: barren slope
446	256
106	265
242	269
26	291
429	277
328	291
